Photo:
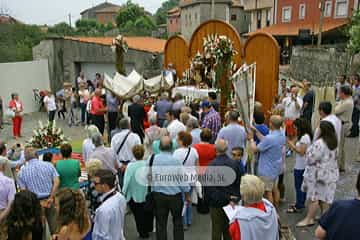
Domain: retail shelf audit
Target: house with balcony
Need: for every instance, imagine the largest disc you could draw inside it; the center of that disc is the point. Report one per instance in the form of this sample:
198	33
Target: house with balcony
173	21
262	13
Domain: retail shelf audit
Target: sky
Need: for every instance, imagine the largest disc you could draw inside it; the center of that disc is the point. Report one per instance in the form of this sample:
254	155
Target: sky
51	12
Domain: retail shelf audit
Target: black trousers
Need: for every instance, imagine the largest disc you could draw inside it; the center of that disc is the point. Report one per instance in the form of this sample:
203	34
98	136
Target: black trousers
112	117
163	205
355	122
99	122
52	115
144	220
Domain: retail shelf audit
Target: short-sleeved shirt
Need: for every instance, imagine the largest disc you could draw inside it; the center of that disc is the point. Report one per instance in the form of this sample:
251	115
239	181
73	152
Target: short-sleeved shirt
7	191
290	110
50	103
270	160
263	129
206	152
69	171
341	221
235	136
300	160
37	177
96	104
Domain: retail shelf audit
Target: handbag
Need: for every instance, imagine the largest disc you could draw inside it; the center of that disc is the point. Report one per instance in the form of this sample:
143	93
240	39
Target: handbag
9	113
149	205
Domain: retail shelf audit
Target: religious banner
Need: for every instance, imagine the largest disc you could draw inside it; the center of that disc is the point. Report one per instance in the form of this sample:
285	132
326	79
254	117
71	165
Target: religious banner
244	82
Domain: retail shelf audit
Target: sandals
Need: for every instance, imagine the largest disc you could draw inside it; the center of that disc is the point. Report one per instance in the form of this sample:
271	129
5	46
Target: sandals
293	209
303	225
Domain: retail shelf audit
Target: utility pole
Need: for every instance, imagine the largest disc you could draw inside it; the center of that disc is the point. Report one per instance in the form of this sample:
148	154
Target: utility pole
322	9
212	9
70	19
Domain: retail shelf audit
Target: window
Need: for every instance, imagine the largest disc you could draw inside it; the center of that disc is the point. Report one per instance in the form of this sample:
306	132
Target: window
286	14
268	18
258	19
341	8
327	9
233	17
170	21
302	11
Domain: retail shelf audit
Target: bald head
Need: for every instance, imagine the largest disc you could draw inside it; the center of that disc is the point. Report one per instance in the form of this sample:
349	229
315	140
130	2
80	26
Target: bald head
165	144
98	92
221	146
276	122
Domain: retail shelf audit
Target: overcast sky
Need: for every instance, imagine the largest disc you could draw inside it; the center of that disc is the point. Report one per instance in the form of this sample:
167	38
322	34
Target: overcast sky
55	11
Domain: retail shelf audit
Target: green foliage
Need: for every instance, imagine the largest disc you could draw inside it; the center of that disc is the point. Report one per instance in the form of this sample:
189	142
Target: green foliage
17	40
161	13
61	29
354	33
133	20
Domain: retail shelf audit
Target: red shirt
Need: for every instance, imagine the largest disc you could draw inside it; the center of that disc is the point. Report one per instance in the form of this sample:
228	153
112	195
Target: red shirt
96	105
206	152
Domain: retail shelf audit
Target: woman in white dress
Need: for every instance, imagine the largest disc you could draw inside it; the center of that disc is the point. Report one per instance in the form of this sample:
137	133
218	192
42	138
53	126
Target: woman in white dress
321	173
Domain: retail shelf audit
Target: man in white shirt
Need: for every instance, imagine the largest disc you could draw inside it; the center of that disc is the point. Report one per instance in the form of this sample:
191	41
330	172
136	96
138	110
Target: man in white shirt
325	109
122	144
292	109
50	104
109	216
174	125
81	79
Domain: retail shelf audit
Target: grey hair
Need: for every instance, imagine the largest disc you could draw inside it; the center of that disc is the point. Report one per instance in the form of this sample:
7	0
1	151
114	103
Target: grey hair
192	123
30	153
164	95
3	161
252	189
221	146
91	130
136	98
124	123
97	140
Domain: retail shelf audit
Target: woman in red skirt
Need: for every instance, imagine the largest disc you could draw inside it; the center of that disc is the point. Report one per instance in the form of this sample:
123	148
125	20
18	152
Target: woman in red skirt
17	106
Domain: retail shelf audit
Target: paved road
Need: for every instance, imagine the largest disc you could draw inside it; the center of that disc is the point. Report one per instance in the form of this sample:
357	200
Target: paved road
201	228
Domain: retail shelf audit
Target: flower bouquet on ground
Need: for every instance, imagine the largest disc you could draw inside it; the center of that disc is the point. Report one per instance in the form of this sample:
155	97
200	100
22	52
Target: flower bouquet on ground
47	136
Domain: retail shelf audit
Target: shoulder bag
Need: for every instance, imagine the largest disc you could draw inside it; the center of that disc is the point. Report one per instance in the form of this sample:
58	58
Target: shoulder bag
149	205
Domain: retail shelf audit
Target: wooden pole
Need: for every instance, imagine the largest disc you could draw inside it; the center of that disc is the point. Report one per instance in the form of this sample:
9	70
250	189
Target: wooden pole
224	87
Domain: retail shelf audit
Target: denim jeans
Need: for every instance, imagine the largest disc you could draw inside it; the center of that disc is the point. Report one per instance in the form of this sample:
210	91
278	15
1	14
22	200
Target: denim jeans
187	218
300	195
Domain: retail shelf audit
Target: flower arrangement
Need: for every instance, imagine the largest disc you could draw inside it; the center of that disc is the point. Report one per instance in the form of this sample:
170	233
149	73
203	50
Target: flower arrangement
48	136
218	48
119	42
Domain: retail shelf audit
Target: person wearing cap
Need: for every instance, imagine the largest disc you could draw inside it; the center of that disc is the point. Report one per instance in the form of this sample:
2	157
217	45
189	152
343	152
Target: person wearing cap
211	120
137	115
178	102
7	193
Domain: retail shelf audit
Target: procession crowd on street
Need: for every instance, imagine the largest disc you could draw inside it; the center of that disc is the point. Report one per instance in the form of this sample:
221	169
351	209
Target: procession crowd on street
162	135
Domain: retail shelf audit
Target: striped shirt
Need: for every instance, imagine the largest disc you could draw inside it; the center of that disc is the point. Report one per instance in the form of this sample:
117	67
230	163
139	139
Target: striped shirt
212	121
37	176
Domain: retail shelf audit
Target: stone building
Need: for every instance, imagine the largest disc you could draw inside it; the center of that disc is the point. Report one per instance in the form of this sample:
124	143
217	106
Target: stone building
69	55
174	21
103	13
261	13
195	12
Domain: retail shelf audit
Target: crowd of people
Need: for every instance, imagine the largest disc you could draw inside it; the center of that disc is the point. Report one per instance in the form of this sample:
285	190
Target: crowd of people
156	134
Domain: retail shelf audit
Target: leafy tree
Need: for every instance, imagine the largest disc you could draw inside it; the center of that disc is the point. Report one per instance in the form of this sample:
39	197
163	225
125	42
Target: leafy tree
354	33
133	20
61	29
161	13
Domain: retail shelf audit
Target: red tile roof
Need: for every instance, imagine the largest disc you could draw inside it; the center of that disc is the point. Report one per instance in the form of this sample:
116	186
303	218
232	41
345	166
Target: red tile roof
293	29
147	44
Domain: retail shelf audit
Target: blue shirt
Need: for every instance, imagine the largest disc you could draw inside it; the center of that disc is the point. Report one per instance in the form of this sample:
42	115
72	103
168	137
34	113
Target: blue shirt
37	177
270	149
235	135
195	133
112	103
165	159
341	221
161	107
263	129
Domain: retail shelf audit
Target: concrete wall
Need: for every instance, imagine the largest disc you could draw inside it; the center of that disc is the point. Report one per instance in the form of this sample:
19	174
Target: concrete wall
22	78
242	21
65	58
264	13
320	65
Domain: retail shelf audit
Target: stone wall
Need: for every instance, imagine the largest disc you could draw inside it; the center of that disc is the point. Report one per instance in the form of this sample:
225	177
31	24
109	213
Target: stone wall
320	65
65	57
